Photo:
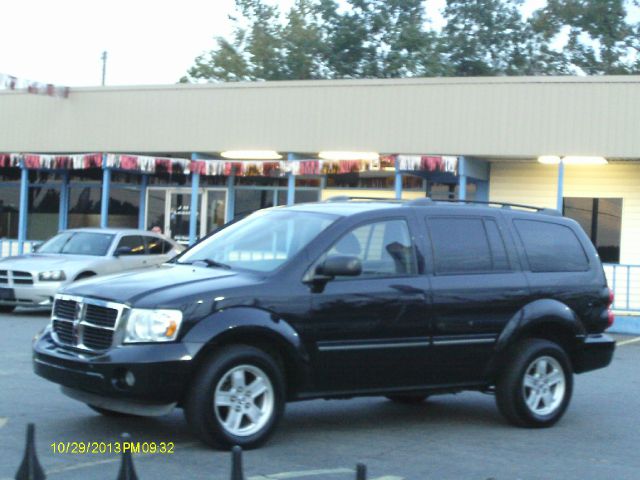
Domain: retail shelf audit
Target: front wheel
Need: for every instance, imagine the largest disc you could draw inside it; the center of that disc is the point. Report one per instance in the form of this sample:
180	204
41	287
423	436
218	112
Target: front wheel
236	398
535	388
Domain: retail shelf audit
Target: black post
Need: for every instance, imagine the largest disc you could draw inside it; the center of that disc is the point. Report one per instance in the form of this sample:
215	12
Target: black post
236	463
361	471
30	468
127	472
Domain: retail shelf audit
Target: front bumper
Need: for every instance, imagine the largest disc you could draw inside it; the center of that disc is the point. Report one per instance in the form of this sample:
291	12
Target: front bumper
161	371
37	294
596	352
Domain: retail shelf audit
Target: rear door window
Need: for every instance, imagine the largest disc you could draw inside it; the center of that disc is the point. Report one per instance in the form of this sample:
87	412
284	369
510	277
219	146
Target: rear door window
460	245
551	247
131	245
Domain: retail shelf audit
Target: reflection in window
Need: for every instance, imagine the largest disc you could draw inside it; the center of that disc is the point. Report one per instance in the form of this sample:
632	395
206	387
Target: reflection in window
601	219
9	205
44	205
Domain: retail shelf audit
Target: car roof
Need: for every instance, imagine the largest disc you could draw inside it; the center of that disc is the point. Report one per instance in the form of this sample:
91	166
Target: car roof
129	231
345	206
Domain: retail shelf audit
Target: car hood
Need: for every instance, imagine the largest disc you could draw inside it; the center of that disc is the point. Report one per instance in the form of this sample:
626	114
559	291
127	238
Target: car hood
38	262
167	285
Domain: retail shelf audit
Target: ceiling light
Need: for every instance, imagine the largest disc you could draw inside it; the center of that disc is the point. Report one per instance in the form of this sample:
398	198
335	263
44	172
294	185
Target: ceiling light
549	159
335	155
577	160
251	155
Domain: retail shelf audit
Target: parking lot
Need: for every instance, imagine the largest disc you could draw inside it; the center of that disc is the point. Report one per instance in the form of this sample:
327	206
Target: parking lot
448	437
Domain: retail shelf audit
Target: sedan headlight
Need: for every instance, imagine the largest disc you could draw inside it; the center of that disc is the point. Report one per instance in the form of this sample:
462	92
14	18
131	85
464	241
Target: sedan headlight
52	276
152	325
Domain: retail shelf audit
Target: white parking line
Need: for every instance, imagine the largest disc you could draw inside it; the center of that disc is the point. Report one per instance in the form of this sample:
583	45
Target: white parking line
628	342
302	474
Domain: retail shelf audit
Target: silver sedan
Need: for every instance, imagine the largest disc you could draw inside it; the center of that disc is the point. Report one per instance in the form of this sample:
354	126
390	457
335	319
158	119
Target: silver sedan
72	255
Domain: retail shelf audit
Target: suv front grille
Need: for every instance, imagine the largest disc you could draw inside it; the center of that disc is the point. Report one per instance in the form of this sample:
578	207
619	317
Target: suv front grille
85	323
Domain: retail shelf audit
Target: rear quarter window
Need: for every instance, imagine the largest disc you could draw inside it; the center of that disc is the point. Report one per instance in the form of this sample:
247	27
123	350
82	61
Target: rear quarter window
551	247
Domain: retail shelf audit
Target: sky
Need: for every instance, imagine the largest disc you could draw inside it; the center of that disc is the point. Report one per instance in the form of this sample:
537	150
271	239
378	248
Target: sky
148	41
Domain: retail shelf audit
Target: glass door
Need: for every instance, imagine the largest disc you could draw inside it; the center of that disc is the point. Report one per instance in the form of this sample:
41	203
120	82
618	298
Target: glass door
214	208
178	217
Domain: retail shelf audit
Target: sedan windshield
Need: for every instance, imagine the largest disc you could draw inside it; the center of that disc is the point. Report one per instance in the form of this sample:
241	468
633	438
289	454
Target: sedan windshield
78	243
262	242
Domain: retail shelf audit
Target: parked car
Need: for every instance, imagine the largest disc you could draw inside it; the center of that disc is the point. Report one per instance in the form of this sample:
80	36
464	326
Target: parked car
77	254
335	300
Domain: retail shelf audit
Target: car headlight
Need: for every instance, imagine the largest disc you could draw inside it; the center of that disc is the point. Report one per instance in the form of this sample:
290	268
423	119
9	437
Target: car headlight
52	276
152	325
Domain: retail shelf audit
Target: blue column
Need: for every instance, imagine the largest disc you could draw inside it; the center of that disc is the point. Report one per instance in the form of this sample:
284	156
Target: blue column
231	197
398	182
144	181
291	183
23	208
193	211
106	185
560	185
63	219
462	179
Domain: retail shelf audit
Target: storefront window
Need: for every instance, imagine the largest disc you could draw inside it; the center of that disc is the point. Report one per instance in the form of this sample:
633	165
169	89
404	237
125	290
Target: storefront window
250	200
601	219
384	182
156	203
9	205
124	205
84	206
43	213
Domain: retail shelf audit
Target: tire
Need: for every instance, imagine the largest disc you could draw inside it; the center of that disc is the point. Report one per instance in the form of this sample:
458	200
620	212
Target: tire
111	413
218	395
7	308
408	399
535	388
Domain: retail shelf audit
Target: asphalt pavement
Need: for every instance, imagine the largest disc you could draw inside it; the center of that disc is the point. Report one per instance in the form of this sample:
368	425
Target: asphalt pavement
449	437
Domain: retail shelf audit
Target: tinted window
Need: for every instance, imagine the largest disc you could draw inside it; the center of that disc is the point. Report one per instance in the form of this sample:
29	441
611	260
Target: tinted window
78	243
384	248
460	245
496	243
131	245
157	246
551	247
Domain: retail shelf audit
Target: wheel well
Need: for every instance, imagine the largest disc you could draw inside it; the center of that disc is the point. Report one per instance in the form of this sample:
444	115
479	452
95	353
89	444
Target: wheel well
86	274
561	335
277	349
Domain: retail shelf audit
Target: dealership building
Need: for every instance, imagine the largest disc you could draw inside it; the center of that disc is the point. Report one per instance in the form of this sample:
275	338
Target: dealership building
188	158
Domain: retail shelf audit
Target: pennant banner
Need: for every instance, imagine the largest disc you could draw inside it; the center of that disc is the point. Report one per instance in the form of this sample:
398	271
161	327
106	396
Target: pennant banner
248	168
13	83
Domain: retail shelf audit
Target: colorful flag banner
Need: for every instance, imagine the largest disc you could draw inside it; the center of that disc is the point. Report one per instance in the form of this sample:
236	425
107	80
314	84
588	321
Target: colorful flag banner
10	82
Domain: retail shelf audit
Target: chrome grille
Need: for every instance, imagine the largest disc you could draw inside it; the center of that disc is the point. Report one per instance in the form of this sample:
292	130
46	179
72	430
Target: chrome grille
85	323
15	277
22	278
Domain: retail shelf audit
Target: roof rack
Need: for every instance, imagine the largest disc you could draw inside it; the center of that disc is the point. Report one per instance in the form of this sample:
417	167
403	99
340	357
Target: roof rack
546	211
346	198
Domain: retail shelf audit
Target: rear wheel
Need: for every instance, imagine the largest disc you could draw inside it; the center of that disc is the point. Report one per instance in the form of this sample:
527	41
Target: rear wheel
535	388
7	308
408	399
236	398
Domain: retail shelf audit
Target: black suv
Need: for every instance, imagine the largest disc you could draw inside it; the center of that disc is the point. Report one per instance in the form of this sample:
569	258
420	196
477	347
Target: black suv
339	299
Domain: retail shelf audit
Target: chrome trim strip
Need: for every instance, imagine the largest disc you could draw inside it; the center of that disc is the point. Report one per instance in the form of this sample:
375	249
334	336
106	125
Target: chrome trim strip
374	346
463	341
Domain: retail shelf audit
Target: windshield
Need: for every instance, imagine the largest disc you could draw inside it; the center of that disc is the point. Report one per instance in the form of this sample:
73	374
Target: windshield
262	242
78	243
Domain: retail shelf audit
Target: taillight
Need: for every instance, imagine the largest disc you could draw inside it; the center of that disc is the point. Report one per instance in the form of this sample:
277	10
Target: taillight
610	316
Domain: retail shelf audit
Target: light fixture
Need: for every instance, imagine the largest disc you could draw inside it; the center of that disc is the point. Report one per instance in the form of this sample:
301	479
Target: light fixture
336	155
251	155
579	160
549	159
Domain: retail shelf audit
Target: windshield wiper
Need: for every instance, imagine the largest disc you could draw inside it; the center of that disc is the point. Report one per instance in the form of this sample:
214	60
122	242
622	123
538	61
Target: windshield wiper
208	262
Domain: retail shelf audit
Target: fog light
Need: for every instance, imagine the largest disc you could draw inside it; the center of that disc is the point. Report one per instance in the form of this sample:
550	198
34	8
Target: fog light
130	379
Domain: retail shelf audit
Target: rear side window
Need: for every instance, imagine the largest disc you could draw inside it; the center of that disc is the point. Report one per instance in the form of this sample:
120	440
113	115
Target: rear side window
131	245
460	245
158	246
551	247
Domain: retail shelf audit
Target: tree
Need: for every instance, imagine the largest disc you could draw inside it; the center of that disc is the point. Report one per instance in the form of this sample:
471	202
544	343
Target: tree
600	40
490	37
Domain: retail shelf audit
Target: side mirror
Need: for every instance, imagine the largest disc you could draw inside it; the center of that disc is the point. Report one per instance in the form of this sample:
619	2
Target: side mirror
120	251
340	266
36	246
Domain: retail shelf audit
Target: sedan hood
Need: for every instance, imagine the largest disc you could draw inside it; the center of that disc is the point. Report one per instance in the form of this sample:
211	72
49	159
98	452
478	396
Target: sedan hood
168	284
40	262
